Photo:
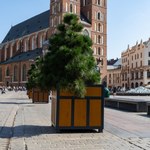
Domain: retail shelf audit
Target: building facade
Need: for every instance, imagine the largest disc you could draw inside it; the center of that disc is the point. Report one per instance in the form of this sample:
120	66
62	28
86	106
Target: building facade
135	69
114	75
24	41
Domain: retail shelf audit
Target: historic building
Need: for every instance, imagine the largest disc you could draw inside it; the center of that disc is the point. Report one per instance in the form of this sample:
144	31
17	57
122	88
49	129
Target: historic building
114	74
136	65
133	69
24	41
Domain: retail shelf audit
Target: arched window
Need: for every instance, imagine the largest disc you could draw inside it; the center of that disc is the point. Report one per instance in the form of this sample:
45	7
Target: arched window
85	32
100	27
99	39
7	71
0	74
15	73
32	42
99	2
99	51
71	8
98	15
41	41
24	73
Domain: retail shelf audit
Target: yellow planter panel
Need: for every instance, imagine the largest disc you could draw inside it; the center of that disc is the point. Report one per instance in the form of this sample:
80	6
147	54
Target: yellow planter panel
65	112
80	112
95	113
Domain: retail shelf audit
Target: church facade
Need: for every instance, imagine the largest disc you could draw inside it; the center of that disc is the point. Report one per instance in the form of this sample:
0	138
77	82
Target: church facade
25	41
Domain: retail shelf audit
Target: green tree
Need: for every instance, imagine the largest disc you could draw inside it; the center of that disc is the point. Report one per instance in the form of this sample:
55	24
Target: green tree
69	62
34	74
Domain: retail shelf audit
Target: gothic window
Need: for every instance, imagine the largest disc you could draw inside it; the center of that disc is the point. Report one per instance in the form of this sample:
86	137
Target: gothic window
0	74
7	71
99	2
71	8
100	27
99	39
24	73
100	16
85	32
32	42
99	51
15	73
41	41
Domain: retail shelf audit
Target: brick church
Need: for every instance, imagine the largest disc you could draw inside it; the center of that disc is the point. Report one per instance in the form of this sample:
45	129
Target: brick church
28	39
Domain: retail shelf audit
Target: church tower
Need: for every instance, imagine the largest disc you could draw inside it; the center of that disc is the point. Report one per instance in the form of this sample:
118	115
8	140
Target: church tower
57	10
96	12
93	16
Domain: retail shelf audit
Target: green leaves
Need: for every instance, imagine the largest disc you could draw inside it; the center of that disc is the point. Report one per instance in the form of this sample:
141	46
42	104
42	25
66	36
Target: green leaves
69	62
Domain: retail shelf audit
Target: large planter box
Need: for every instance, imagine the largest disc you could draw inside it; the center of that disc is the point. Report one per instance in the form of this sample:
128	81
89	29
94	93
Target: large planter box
29	93
40	96
71	112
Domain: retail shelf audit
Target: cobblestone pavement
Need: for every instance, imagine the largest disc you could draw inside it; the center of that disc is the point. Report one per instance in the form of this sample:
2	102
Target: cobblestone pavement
27	126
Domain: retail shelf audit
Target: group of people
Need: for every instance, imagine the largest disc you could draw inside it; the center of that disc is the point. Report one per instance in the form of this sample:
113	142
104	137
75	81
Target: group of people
4	89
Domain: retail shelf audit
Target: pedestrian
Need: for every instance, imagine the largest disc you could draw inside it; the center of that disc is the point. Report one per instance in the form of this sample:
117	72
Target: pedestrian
114	91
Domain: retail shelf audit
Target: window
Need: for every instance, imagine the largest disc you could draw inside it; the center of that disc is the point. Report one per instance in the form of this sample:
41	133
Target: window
141	74
149	54
136	75
99	51
100	39
148	73
141	63
7	71
99	2
98	15
0	74
32	42
24	73
148	62
15	73
100	27
85	32
71	8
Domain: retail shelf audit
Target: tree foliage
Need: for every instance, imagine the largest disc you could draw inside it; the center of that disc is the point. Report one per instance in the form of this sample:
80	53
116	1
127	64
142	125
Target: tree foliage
34	74
69	62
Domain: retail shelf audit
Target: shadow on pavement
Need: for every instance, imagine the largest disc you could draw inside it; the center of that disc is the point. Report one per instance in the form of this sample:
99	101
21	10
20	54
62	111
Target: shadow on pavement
31	130
144	115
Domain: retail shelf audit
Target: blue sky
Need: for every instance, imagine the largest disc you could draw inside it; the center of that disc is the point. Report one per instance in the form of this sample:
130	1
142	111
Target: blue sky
128	20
